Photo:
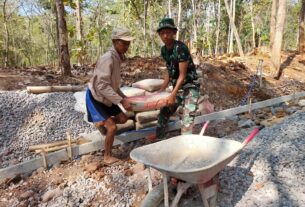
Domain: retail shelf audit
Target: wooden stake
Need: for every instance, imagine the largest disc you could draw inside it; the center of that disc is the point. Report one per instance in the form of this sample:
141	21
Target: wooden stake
44	159
69	149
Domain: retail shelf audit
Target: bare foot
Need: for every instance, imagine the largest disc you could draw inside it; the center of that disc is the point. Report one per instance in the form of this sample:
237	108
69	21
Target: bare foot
110	160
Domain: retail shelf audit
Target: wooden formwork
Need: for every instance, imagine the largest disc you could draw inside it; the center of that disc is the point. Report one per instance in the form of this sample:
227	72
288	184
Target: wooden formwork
96	142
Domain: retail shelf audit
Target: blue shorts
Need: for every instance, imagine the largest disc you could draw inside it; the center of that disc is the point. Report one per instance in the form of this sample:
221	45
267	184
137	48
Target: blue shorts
97	111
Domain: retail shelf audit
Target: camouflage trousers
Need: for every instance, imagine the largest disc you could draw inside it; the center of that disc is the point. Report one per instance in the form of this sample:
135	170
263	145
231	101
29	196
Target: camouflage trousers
188	100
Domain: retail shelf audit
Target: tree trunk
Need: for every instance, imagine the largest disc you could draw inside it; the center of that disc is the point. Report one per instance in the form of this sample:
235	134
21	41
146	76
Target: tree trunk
57	36
230	28
63	37
253	25
218	27
194	24
208	28
240	49
179	19
144	25
278	36
30	52
301	28
15	51
231	35
7	35
151	33
169	9
79	33
273	21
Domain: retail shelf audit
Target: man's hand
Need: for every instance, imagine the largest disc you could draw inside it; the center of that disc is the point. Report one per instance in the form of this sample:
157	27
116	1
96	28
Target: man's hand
126	104
171	100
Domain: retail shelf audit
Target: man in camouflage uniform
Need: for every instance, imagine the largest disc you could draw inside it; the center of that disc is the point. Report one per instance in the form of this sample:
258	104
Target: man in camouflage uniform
181	73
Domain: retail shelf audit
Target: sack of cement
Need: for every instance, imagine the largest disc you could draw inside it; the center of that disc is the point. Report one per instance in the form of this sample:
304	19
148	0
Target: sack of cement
145	125
147	116
149	84
168	89
153	123
131	91
129	125
148	103
80	104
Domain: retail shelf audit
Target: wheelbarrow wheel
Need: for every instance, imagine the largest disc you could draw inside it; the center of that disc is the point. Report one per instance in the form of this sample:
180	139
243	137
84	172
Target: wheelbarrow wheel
155	197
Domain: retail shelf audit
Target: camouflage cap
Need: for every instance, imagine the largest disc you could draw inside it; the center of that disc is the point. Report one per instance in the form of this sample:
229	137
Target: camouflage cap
167	23
122	34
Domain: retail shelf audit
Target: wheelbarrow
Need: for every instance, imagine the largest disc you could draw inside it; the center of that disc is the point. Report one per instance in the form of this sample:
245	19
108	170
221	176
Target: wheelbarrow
194	159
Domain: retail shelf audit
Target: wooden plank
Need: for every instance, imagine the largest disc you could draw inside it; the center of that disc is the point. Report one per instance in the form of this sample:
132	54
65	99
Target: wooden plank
31	165
51	158
233	111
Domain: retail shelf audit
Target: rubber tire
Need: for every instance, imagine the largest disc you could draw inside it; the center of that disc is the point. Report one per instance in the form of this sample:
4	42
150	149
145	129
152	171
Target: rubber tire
155	197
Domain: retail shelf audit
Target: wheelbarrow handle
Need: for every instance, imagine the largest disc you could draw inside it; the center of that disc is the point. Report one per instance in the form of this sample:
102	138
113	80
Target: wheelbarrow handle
252	135
205	126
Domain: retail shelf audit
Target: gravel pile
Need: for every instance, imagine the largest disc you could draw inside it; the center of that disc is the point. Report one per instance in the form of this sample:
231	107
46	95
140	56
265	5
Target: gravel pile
270	171
27	119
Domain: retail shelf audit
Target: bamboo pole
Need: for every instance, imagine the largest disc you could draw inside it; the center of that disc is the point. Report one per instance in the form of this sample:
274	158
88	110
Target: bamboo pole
48	89
53	149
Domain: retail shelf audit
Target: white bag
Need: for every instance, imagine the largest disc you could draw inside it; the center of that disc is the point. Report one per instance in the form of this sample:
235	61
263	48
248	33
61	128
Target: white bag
149	84
131	91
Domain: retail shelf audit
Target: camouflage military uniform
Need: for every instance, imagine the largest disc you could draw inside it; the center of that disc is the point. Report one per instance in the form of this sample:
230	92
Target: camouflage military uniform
188	94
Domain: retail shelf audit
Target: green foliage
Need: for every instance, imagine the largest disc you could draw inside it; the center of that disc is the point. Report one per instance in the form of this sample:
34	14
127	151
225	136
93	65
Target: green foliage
33	38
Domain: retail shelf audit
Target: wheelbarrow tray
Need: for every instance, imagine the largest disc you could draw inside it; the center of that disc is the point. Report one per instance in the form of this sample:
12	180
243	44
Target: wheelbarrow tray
192	158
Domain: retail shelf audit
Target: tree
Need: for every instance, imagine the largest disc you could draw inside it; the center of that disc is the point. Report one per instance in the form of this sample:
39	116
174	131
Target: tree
240	49
301	28
253	25
7	33
231	37
63	37
146	2
7	14
194	23
179	19
218	27
278	36
79	33
169	12
273	21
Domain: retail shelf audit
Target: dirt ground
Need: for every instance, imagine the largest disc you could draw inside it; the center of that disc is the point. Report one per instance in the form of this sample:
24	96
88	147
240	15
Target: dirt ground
225	79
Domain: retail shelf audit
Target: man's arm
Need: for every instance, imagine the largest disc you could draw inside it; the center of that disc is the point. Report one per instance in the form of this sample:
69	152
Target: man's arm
181	78
121	93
